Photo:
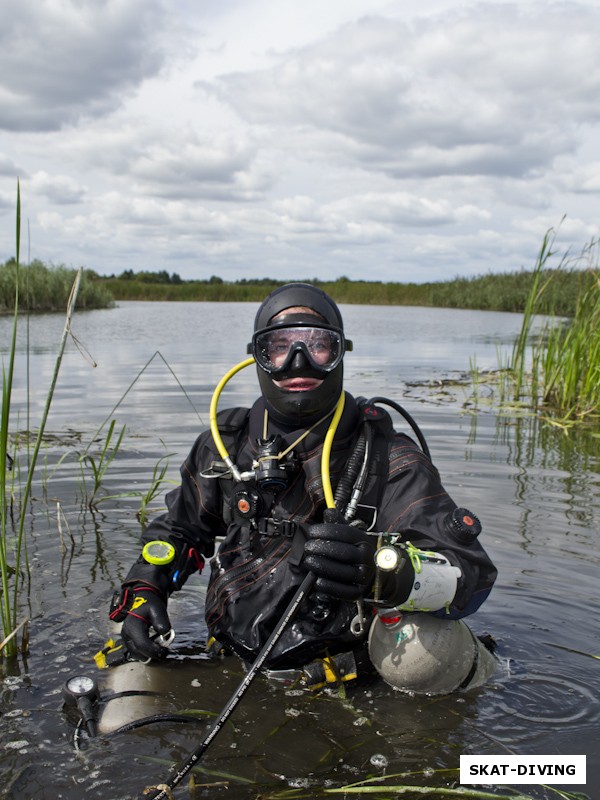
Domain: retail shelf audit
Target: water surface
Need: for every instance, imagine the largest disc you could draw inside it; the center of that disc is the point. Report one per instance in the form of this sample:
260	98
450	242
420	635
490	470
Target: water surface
155	365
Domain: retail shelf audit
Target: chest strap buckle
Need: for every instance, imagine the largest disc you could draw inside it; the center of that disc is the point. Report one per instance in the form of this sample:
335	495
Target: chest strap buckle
271	526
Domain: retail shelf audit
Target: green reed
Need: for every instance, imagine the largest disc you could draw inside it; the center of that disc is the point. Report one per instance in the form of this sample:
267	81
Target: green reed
99	465
159	478
563	377
6	612
532	304
13	558
570	361
40	288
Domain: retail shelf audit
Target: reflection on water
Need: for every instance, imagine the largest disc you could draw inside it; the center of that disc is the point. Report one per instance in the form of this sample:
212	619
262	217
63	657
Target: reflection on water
535	489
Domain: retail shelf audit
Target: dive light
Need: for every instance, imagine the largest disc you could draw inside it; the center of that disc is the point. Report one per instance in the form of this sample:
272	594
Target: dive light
81	692
387	558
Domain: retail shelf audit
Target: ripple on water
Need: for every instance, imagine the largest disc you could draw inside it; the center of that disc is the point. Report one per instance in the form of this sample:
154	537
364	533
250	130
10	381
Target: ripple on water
530	705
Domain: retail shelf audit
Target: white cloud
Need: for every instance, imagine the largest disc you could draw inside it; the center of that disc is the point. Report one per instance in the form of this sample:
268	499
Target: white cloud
185	165
62	60
403	140
59	189
496	91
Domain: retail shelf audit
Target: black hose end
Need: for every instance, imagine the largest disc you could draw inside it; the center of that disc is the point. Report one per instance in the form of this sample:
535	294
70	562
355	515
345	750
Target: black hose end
331	515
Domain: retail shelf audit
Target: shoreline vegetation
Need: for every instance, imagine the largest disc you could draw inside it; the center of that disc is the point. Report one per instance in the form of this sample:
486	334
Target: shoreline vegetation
44	289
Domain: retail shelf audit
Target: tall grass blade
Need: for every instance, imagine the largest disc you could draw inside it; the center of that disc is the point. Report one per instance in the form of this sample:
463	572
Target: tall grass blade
518	360
8	606
39	439
7	382
563	376
100	466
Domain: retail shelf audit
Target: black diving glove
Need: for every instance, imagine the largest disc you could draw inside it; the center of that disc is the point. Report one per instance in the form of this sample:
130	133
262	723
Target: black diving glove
140	608
341	556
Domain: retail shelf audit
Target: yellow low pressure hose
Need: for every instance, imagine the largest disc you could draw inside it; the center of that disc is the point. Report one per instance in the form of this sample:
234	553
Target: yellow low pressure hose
214	428
222	450
325	474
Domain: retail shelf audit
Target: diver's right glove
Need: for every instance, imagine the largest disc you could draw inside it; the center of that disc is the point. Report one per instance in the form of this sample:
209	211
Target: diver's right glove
140	608
341	556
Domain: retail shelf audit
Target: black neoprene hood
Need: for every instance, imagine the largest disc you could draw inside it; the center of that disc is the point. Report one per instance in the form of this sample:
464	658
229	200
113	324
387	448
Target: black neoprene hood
300	407
298	294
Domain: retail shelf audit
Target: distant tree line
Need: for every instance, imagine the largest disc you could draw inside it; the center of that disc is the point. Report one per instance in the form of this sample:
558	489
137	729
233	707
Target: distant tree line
161	277
492	292
43	288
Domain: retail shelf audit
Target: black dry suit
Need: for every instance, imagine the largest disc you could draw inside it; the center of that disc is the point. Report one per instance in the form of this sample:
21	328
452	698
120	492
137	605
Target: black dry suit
258	565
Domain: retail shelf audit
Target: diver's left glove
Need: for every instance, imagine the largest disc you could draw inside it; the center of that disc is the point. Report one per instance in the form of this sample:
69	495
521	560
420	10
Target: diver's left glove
341	556
140	608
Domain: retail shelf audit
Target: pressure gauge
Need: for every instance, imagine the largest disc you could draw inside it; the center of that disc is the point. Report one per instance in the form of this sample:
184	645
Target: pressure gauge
158	553
81	692
80	686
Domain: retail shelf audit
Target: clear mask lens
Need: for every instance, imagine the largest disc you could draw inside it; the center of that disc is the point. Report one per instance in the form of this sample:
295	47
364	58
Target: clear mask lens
274	349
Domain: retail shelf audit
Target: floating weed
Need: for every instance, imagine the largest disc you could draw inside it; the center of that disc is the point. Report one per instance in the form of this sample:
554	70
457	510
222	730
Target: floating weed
387	785
572	650
200	770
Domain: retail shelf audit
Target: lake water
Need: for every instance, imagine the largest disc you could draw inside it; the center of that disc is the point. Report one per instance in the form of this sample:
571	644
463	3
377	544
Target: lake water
153	367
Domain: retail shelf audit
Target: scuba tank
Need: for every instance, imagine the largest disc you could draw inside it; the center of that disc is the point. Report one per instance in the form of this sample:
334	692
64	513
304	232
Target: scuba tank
419	653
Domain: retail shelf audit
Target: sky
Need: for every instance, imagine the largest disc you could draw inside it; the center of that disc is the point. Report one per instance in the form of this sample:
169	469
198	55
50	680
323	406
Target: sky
401	141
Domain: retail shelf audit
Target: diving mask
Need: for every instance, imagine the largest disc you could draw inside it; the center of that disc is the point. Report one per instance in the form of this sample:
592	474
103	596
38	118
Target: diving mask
275	347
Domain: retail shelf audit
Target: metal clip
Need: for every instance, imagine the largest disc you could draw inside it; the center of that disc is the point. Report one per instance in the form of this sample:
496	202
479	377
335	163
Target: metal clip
358	624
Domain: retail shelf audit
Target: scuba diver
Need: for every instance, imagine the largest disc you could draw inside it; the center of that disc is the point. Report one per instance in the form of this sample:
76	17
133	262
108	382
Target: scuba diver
397	563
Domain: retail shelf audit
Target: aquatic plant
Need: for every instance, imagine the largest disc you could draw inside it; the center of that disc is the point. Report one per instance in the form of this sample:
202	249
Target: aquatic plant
570	361
563	376
13	561
40	288
156	483
98	466
379	786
